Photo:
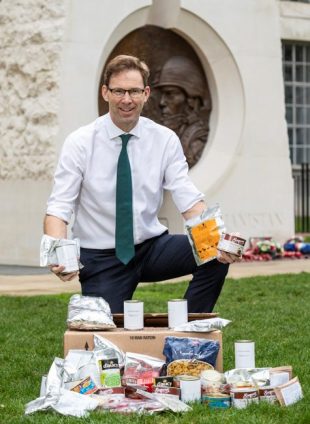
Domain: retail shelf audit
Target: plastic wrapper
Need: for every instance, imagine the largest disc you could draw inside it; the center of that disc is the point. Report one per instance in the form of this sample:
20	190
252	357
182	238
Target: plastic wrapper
89	313
58	398
212	382
147	406
191	348
203	325
204	233
191	367
109	369
49	256
78	365
109	398
240	377
105	347
141	369
167	401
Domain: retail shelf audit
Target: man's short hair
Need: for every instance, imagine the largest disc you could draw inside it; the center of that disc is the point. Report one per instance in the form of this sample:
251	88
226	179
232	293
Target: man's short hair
125	63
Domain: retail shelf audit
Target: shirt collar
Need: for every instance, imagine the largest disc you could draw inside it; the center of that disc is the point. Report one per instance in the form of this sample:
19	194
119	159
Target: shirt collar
114	131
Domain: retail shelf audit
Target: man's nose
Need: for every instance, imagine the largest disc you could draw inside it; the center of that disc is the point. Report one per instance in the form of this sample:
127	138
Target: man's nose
126	97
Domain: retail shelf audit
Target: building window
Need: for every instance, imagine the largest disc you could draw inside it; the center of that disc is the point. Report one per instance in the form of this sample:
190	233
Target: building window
296	70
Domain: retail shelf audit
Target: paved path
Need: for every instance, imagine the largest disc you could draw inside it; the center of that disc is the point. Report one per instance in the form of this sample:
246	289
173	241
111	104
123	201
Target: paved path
29	281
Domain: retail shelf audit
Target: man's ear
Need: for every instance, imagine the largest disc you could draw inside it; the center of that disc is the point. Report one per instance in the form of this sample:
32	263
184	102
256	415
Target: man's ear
104	92
147	92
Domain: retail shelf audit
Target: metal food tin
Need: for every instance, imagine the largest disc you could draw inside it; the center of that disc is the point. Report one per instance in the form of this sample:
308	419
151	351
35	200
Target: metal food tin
218	401
231	244
177	312
244	354
133	315
190	389
267	394
241	398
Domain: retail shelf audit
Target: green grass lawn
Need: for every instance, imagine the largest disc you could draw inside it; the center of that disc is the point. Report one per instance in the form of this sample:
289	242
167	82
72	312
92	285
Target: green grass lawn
272	311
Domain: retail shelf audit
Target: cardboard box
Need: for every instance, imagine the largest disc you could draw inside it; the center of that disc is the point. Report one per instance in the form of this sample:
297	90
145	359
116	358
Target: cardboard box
149	341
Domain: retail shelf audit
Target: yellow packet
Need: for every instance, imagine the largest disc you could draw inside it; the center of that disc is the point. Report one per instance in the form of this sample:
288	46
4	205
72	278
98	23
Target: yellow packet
204	233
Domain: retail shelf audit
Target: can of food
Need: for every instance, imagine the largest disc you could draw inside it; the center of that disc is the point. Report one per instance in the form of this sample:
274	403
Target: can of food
190	389
177	312
242	397
133	315
177	378
217	401
231	244
68	257
267	394
244	354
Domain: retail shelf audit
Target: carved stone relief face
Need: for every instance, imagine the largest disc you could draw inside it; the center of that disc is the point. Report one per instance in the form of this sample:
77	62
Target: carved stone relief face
180	97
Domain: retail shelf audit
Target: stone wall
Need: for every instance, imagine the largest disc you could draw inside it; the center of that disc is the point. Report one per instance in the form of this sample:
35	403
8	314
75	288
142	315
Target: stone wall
31	39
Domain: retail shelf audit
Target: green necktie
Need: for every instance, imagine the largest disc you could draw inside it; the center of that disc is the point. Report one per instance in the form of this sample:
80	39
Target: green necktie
124	244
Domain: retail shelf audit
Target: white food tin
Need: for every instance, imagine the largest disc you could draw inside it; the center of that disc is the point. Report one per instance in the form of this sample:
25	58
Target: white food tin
177	312
133	315
244	354
190	389
67	255
231	244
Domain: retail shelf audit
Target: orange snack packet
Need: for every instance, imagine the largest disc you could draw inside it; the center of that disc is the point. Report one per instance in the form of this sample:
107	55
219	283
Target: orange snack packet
204	233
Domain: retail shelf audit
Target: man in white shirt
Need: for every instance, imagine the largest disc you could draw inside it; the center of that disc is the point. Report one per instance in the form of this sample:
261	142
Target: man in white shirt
86	184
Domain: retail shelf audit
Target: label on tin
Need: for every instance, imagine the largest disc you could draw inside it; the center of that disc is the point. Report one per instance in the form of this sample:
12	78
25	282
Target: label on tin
133	315
177	312
244	354
267	394
241	398
231	244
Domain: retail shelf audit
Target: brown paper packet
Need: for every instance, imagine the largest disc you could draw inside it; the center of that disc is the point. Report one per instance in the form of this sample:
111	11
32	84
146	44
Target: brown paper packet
293	392
284	368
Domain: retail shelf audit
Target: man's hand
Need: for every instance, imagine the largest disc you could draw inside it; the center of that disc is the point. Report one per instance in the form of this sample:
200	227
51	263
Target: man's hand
227	258
58	270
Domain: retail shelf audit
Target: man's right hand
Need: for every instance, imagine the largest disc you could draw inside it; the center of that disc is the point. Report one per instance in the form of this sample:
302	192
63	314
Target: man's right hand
58	270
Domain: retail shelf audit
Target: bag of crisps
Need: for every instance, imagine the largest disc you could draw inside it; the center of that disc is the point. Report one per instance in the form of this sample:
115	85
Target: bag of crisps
204	233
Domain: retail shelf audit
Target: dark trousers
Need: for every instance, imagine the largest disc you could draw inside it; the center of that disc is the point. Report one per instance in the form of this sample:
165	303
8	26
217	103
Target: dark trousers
157	259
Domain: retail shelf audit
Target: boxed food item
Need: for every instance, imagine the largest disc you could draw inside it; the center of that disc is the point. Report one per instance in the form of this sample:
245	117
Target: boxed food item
149	341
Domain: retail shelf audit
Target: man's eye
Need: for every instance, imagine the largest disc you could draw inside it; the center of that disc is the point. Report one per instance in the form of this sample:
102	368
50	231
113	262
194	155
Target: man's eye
119	92
135	91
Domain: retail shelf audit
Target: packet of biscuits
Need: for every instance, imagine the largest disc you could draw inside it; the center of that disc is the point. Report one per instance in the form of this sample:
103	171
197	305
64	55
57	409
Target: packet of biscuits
204	233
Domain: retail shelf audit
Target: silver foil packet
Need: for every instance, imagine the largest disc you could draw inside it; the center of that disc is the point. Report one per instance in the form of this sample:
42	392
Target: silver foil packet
203	325
256	376
103	345
60	252
89	313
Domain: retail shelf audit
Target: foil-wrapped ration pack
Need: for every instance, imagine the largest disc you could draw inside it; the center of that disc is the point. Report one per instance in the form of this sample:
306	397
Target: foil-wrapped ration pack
203	325
89	313
65	252
60	399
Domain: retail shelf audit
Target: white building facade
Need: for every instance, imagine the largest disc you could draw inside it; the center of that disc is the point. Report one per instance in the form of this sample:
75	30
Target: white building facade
50	75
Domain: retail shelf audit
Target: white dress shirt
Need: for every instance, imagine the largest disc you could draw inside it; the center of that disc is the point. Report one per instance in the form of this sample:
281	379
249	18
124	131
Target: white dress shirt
85	180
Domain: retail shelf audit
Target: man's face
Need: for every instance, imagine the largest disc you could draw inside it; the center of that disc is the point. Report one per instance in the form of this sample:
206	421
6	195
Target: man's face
125	111
172	101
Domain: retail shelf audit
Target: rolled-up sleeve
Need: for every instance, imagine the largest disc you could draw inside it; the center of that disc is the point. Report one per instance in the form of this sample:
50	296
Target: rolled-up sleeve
184	193
67	180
